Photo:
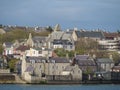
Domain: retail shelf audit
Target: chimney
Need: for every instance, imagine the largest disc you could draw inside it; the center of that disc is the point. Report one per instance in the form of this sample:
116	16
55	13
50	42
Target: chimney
110	57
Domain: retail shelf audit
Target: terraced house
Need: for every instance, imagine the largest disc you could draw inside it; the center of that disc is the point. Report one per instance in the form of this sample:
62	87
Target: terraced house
35	69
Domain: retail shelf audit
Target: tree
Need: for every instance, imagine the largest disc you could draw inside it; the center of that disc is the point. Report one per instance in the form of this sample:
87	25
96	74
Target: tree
1	25
12	64
86	45
116	57
118	31
49	29
1	49
62	52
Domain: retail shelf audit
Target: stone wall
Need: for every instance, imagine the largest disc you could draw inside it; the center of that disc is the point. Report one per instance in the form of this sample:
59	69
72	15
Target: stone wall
2	71
7	77
58	77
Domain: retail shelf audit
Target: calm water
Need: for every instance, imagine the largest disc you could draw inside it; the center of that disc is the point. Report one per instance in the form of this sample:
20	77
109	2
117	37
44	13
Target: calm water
59	87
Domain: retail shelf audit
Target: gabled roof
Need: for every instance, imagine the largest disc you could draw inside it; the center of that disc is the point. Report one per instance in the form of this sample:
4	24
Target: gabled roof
35	59
56	35
8	44
83	57
84	60
58	60
113	35
62	42
39	39
90	34
104	60
60	35
86	63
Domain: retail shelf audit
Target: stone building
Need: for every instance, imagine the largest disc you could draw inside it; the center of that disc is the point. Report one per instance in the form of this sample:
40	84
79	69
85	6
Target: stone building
86	63
35	69
60	39
95	35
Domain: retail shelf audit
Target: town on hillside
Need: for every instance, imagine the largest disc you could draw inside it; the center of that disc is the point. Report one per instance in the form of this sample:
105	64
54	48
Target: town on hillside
49	54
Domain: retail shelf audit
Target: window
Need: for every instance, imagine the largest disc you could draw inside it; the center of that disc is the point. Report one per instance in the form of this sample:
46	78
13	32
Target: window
33	52
62	67
7	51
40	66
53	67
40	52
73	71
56	67
71	47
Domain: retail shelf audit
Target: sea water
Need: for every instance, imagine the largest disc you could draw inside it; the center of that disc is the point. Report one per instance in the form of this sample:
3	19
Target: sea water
58	87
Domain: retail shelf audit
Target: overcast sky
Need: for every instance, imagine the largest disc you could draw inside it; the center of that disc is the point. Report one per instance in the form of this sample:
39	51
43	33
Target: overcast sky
83	14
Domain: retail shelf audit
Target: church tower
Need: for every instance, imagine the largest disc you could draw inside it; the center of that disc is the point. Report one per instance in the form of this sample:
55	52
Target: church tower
30	41
57	28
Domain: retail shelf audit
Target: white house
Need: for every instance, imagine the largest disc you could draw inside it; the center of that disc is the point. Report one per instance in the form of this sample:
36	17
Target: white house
8	48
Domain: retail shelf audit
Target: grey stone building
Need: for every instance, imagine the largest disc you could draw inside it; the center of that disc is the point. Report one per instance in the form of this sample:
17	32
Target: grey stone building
35	69
104	64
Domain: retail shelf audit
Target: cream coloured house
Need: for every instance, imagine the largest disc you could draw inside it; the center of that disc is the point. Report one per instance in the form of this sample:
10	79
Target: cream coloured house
36	52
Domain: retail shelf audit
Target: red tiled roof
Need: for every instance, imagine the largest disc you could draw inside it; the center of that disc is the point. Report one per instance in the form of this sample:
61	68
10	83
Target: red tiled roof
111	34
116	67
54	54
23	48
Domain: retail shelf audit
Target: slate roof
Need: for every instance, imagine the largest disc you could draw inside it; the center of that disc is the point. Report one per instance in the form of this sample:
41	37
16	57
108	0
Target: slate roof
84	60
70	31
42	59
60	35
56	35
104	60
66	36
91	34
8	44
39	39
58	60
83	57
86	63
35	59
62	42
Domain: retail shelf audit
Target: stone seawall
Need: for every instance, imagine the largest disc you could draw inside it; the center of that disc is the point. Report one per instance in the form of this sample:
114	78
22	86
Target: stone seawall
15	79
10	79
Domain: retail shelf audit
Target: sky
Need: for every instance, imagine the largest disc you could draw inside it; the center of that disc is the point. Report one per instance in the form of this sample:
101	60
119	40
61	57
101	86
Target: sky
81	14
